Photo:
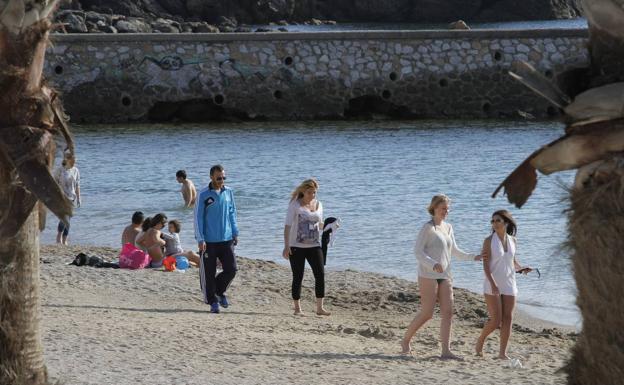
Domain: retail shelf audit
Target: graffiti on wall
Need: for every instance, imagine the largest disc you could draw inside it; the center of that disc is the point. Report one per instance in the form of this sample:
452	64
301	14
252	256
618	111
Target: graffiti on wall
226	70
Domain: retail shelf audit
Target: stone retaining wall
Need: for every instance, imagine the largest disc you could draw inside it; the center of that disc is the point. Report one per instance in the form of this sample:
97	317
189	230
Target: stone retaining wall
289	76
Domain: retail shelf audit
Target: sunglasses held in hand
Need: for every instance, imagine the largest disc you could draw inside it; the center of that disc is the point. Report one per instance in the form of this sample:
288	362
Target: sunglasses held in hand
527	270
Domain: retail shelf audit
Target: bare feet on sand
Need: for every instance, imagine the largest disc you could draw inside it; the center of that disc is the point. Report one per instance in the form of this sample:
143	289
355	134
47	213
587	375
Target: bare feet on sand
322	312
503	357
479	347
406	348
299	312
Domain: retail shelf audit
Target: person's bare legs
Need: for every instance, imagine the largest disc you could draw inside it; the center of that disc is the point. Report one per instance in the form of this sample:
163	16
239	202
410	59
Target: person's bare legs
65	241
320	310
297	307
428	288
509	302
59	236
192	257
494	306
445	296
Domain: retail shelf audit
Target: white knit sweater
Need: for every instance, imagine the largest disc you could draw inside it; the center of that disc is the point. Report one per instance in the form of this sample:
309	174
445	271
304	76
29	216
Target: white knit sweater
435	245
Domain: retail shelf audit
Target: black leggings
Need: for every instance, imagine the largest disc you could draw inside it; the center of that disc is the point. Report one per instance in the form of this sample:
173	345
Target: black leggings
314	255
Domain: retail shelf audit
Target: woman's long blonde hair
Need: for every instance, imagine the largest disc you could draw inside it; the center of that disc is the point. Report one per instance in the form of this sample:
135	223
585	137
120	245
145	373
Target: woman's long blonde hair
305	185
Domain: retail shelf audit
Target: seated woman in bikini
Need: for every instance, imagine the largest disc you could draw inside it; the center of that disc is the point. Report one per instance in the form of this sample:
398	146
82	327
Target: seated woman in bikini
151	241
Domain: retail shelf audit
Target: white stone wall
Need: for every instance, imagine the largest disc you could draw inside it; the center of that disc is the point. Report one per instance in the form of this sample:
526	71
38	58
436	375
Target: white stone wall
292	76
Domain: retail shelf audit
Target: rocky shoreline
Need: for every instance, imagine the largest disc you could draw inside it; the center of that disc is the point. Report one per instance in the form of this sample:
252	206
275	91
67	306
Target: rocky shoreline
214	16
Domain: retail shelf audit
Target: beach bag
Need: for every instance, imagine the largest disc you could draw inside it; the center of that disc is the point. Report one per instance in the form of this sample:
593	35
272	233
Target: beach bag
132	257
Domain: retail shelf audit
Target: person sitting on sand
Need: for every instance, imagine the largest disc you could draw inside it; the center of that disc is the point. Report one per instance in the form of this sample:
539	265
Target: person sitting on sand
499	287
188	190
302	241
173	246
434	247
131	231
147	223
151	241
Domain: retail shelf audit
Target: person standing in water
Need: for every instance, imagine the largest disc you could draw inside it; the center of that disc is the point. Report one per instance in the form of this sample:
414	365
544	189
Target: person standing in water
68	177
189	193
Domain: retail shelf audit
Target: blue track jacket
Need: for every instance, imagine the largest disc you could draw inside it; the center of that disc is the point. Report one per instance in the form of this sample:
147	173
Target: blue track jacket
215	215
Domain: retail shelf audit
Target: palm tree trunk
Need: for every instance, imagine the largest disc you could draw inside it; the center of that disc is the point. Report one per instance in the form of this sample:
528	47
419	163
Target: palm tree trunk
596	223
30	114
596	242
21	353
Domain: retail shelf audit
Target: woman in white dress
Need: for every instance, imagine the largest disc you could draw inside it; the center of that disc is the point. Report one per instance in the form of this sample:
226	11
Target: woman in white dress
499	287
434	247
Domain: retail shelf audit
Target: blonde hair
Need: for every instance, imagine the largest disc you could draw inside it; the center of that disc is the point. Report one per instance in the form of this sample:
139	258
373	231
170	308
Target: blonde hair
305	185
436	200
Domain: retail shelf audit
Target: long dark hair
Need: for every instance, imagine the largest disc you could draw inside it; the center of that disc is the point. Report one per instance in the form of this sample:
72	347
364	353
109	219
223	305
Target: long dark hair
511	227
159	218
147	223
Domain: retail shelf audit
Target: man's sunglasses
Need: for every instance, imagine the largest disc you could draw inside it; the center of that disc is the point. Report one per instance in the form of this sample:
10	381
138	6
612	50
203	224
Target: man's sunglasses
220	178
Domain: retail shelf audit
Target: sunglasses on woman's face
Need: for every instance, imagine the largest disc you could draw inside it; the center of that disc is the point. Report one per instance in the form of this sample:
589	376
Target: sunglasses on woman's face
496	220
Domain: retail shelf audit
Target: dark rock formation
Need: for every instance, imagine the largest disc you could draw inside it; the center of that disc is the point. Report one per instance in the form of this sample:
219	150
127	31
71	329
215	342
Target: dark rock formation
172	15
73	22
133	25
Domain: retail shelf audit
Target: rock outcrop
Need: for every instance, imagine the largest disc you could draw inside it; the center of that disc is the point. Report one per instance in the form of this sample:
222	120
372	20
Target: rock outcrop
191	15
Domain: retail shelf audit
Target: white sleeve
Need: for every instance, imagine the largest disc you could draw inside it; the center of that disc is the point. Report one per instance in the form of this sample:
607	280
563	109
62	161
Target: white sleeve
457	252
419	248
320	213
290	215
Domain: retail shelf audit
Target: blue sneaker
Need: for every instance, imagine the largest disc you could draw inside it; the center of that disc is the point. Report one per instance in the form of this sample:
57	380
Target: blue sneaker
214	307
223	301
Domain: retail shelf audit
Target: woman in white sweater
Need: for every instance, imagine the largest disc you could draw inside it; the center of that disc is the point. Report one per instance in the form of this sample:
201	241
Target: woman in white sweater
433	249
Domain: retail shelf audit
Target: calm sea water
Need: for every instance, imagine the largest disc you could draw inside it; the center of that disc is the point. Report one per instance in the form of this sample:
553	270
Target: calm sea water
378	177
533	24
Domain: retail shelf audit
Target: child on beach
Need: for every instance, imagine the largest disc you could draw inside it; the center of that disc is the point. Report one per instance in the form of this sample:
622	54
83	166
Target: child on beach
173	246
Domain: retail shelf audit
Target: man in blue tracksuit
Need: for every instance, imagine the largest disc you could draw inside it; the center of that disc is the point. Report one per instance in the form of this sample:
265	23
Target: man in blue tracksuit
216	233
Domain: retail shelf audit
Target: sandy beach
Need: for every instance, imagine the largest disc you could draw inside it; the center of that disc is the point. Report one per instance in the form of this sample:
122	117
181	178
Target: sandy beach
114	326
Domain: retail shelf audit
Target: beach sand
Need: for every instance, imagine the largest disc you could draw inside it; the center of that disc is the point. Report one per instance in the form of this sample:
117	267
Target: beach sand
116	326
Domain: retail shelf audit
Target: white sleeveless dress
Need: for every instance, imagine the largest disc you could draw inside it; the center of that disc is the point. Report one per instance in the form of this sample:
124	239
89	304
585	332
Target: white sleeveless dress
502	267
